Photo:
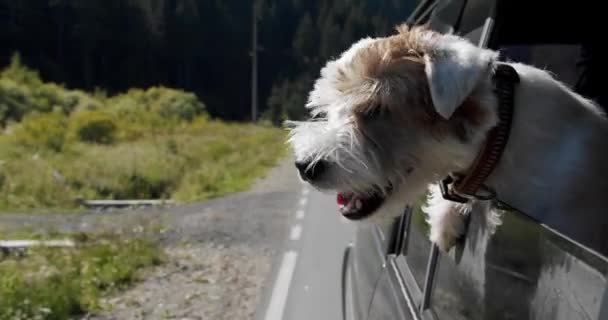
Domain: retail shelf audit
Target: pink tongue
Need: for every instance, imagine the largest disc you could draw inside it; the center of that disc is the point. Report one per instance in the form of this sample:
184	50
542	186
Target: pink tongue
340	199
348	205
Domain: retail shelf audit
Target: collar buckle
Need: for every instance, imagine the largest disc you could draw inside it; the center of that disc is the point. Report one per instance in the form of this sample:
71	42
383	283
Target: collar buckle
448	193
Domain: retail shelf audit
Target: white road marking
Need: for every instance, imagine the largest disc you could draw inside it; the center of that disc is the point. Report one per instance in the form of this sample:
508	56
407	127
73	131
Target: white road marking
300	214
296	232
305	191
281	287
303	201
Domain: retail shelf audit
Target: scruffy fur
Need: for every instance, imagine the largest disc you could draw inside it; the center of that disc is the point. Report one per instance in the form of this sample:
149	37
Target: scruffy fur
407	109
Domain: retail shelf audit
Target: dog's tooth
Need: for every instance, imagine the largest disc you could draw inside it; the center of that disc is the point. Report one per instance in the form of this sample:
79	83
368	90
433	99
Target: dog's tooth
358	204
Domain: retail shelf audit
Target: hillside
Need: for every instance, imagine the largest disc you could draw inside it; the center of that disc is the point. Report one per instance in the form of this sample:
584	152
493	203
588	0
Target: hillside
59	145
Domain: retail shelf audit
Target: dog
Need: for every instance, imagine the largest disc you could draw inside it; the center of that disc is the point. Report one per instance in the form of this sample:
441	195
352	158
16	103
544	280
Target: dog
392	116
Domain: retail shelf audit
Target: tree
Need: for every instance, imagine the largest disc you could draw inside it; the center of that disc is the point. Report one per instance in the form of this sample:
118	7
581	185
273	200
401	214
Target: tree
197	45
337	25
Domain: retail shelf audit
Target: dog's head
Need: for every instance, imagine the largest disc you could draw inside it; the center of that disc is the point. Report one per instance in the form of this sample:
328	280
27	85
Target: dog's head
392	115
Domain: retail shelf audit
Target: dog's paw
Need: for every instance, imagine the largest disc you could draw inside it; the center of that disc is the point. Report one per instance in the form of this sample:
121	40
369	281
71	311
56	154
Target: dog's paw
446	219
446	236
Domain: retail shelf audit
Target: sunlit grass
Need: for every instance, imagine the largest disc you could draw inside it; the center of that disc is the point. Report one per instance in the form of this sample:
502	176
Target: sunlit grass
57	283
195	161
59	145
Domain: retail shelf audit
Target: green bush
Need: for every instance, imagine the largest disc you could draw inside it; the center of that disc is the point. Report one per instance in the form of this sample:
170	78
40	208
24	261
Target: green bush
22	92
15	101
164	102
42	130
50	283
19	73
177	104
93	127
51	97
153	143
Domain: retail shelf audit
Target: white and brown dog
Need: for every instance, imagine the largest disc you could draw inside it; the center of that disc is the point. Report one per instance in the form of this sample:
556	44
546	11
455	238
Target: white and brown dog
394	115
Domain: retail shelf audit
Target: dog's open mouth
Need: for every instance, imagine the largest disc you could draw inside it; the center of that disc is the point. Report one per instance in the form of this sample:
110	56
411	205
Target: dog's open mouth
356	207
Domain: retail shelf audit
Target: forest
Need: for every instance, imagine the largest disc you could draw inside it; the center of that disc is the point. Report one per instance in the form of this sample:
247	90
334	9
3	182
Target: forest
200	46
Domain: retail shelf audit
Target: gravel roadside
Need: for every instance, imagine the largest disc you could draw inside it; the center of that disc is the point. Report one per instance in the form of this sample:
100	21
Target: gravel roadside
219	251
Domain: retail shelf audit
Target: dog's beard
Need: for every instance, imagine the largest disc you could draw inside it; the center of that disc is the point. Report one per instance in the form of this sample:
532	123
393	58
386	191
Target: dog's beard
367	177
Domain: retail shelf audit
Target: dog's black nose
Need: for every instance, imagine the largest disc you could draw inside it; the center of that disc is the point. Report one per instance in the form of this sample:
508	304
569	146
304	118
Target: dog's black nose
310	172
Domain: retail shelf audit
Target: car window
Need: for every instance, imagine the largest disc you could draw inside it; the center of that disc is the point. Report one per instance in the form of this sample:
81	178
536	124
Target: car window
446	15
386	305
561	59
576	59
474	16
511	267
579	65
418	246
568	50
425	14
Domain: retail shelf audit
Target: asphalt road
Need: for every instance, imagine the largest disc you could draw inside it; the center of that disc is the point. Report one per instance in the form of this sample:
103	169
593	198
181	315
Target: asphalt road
306	278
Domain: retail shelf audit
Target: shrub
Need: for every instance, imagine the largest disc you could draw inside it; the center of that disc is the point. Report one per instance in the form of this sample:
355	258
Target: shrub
51	283
51	97
164	102
22	92
42	130
93	127
177	104
19	73
168	147
76	100
15	100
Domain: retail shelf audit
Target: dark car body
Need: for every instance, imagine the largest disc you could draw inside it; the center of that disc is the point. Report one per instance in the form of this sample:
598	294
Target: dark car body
539	263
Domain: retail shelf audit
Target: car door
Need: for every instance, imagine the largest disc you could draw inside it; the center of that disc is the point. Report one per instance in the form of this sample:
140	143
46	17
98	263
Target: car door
364	262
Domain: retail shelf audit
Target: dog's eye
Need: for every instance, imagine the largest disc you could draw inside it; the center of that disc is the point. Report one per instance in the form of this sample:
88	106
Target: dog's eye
373	113
317	116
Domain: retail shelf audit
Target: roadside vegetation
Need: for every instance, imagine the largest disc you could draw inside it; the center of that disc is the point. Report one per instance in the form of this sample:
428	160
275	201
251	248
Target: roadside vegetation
60	145
59	283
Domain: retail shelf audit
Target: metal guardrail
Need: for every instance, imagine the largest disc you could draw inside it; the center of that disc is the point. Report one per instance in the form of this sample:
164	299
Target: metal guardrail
19	247
21	244
123	203
117	203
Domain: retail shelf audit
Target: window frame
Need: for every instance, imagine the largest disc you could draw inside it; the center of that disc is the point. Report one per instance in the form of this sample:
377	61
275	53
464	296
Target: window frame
420	11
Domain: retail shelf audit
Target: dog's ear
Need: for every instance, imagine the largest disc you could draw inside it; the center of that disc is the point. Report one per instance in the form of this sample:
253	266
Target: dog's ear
453	68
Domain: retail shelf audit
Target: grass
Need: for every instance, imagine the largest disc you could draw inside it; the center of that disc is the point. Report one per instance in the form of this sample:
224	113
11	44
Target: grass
59	145
52	283
203	160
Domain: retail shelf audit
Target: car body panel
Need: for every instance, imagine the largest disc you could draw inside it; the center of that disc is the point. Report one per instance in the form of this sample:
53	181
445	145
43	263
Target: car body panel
364	265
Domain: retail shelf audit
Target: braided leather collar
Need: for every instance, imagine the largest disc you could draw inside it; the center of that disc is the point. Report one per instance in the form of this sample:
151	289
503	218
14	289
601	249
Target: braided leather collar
470	185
